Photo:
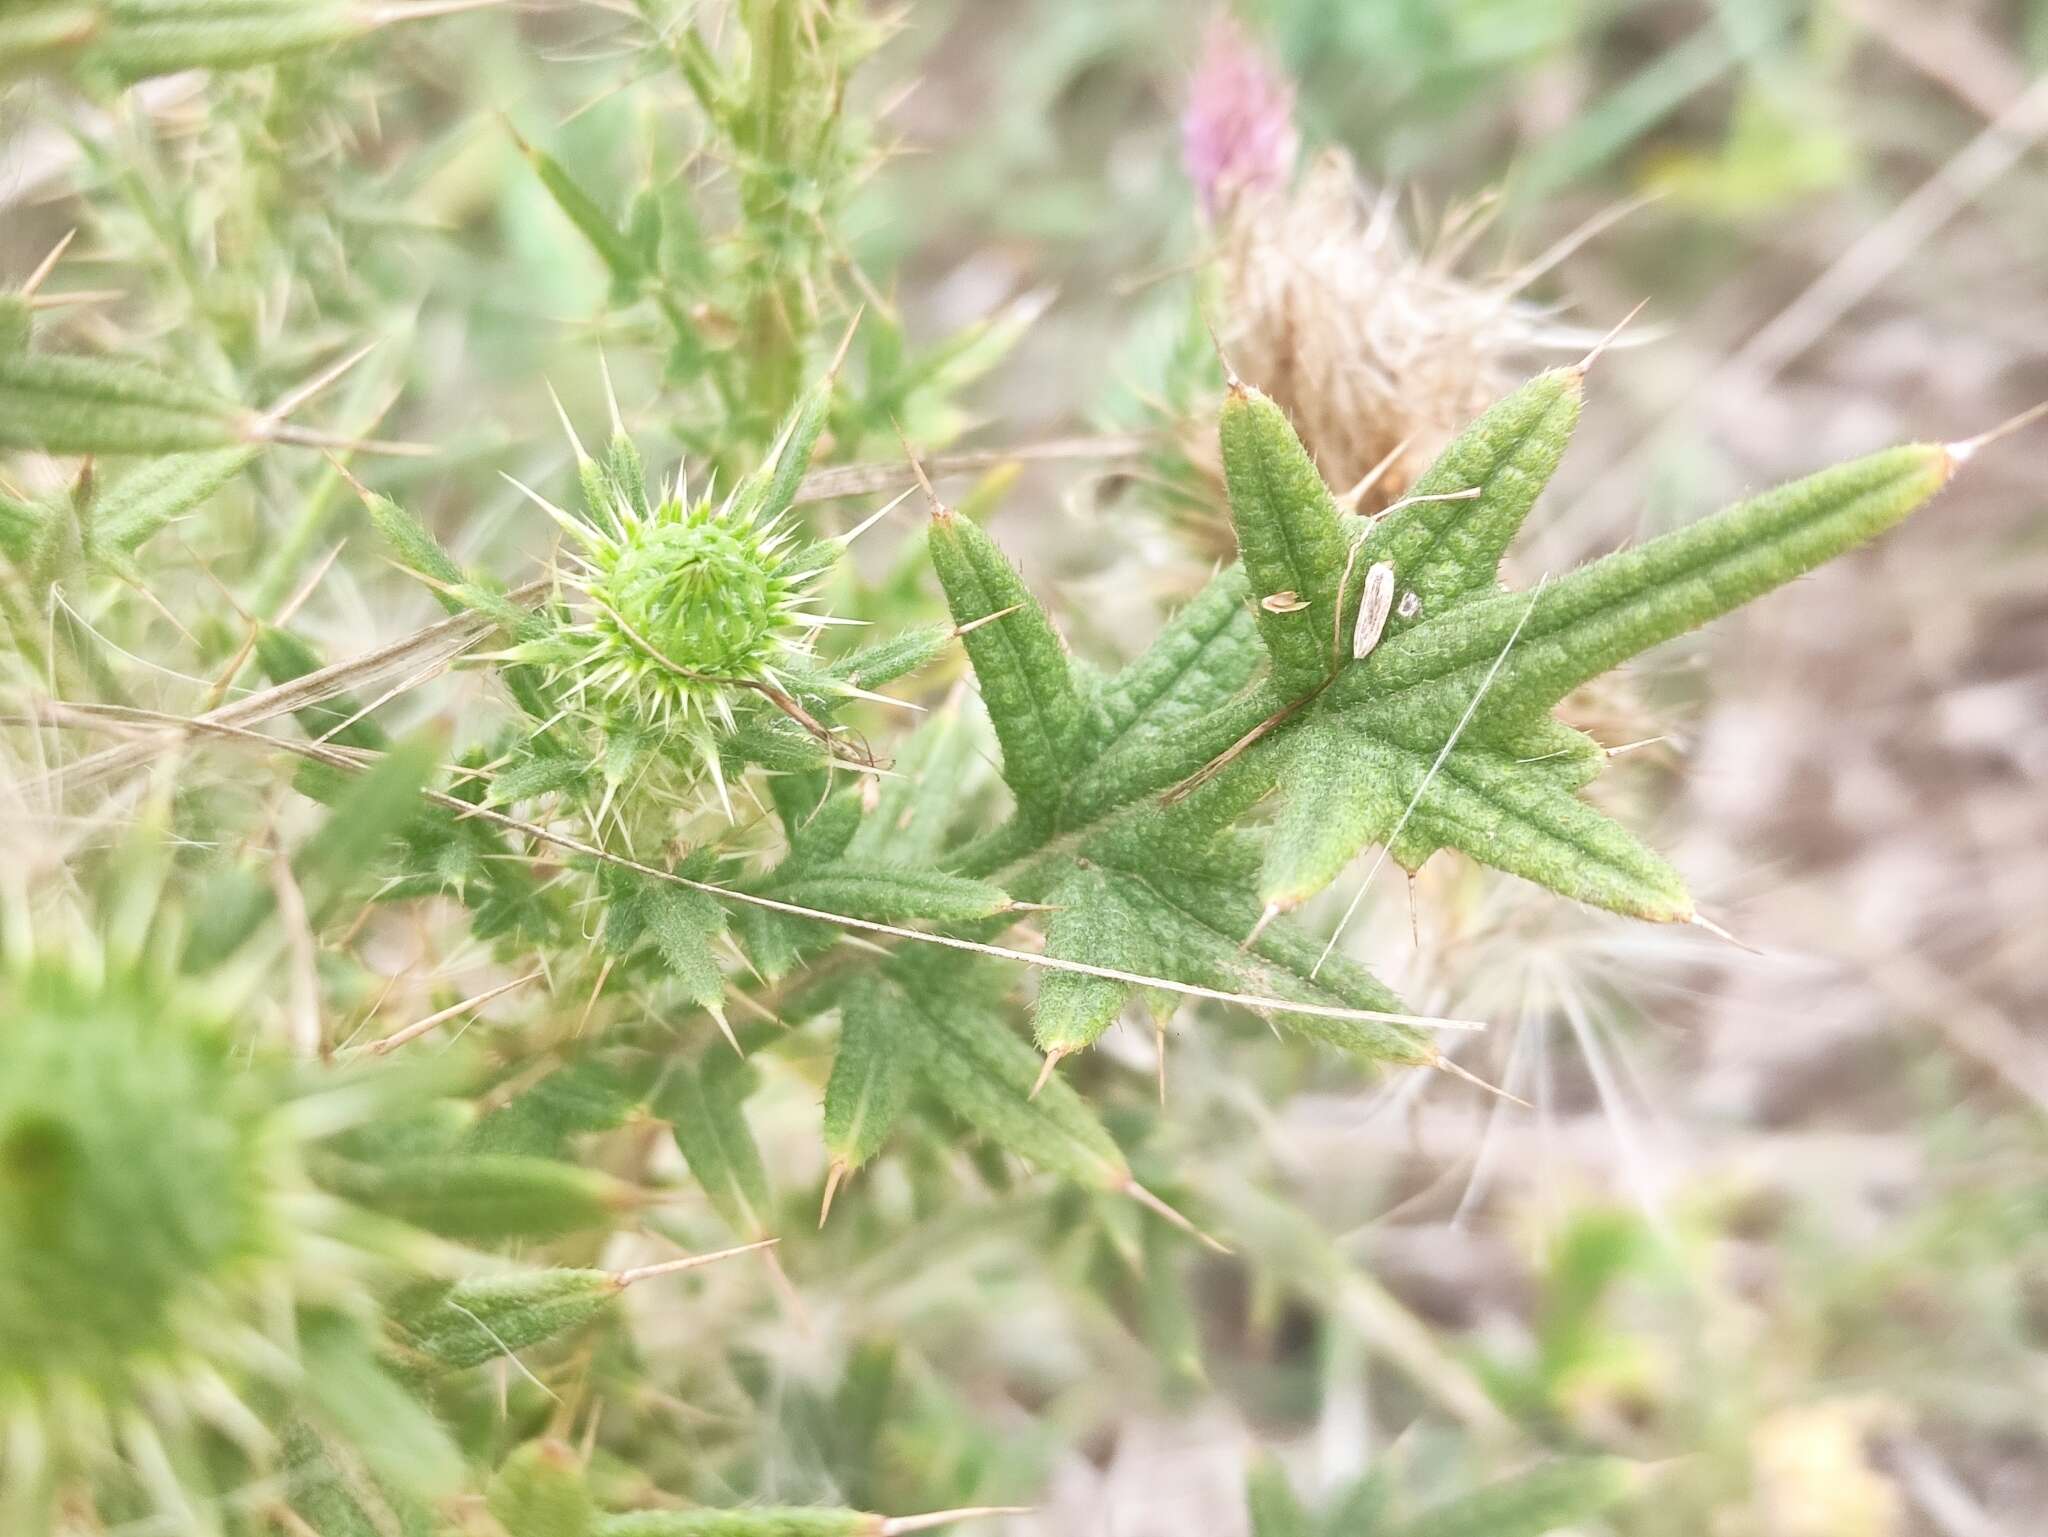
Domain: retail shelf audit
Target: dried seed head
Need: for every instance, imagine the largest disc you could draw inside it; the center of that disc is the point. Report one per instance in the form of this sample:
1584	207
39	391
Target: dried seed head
1377	351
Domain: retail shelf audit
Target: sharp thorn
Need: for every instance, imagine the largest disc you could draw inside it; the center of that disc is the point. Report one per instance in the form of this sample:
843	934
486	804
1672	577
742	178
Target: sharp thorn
1052	1060
1159	1208
1446	1065
1585	364
717	1012
1231	381
48	264
897	1526
1629	747
975	624
845	343
1963	452
873	518
833	1176
575	442
917	469
1700	920
1273	910
611	396
625	1278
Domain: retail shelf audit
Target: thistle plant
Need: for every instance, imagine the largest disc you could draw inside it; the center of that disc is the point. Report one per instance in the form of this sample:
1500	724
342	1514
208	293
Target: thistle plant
391	1026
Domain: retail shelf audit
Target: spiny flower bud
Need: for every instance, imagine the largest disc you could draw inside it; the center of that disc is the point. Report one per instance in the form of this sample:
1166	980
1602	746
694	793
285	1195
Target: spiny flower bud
683	609
166	1264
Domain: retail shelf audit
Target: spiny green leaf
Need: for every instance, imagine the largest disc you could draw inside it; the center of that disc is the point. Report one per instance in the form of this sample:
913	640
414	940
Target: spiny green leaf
75	405
1018	660
901	654
484	1198
1288	535
132	510
704	1109
1601	615
985	1074
871	1073
587	1094
1445	552
1337	799
769	491
477	1321
891	893
1206	652
1552	1495
1195	916
1093	925
683	923
530	777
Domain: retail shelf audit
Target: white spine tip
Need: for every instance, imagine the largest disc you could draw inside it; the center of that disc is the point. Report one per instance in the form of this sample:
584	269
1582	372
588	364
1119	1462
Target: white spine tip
899	1526
1700	920
1045	1071
1963	452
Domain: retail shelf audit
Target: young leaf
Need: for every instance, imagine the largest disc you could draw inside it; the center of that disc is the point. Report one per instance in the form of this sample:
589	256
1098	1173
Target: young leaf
1441	737
704	1109
871	1073
75	405
484	1198
1446	551
985	1075
1026	683
891	893
1287	533
477	1321
1091	924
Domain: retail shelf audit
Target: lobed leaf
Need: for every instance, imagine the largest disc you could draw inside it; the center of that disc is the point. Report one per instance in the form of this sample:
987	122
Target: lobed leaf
1019	662
872	1072
477	1321
73	405
1287	533
703	1106
485	1197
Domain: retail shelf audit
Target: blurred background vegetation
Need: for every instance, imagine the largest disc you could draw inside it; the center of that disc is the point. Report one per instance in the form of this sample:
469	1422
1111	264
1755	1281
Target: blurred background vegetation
1777	1226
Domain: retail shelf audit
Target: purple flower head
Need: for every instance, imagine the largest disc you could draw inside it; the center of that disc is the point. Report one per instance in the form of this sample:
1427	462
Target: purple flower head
1237	135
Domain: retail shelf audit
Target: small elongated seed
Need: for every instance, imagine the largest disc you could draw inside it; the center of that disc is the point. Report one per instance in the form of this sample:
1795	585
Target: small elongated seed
1373	607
